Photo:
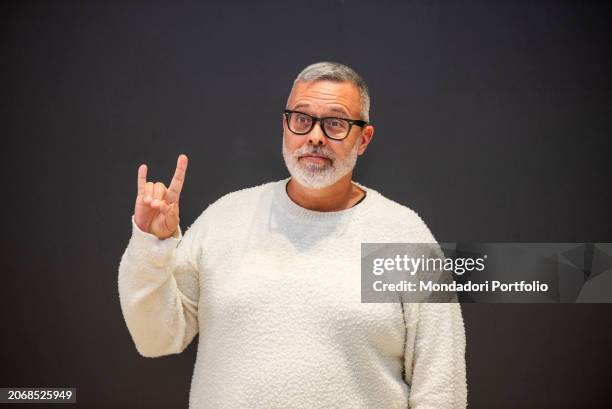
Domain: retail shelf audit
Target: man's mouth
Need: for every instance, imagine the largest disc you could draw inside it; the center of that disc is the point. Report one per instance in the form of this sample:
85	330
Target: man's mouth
313	155
315	158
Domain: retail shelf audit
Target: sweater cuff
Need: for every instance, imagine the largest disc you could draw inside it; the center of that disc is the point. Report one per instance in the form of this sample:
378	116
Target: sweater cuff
152	248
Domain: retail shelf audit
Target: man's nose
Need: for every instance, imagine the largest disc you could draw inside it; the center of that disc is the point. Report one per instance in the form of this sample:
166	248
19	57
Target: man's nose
316	136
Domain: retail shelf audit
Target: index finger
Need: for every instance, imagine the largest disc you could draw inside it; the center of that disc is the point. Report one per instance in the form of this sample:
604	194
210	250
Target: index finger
142	178
176	185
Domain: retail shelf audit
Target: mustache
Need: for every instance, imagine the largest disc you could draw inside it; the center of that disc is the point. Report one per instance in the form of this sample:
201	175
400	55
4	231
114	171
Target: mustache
315	150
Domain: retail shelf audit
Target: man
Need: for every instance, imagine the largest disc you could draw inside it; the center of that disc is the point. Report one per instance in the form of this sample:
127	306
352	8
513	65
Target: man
270	277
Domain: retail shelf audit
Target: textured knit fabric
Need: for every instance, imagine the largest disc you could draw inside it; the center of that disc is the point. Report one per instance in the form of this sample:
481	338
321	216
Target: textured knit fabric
273	290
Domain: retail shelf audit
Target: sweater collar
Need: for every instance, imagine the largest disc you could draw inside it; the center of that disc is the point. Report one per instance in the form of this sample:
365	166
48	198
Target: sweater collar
300	213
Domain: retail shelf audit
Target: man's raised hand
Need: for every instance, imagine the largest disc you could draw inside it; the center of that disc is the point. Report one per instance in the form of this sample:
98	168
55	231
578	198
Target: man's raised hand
157	207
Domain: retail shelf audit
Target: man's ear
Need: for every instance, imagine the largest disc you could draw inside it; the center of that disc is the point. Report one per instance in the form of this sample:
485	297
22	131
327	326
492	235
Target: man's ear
366	137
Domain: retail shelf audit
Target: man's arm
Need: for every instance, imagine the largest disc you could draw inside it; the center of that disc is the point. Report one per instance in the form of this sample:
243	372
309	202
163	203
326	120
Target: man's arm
435	356
158	273
159	290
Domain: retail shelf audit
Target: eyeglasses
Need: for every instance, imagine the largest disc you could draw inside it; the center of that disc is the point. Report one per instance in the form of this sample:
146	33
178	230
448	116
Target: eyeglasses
334	128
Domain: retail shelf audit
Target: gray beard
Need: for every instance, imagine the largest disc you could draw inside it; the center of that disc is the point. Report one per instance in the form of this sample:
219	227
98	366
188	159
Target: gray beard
315	176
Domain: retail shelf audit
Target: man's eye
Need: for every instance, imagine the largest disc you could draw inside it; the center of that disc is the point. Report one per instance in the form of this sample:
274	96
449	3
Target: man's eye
338	124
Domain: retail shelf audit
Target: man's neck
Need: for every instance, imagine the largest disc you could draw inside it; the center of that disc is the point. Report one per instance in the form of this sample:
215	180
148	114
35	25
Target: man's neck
339	196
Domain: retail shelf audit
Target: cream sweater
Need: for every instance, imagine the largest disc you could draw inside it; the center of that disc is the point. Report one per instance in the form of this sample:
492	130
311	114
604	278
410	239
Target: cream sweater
273	290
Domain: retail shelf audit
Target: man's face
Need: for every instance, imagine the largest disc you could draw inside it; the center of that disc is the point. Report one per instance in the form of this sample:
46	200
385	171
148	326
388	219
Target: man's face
314	160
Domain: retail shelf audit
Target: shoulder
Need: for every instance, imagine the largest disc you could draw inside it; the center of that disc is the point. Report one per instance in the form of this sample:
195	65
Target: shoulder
242	197
232	209
238	204
401	219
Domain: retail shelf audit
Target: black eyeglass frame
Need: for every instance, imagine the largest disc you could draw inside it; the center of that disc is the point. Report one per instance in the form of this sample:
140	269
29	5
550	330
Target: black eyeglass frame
315	119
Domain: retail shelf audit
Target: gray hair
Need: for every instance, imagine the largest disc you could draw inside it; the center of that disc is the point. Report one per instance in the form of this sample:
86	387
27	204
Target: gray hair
336	72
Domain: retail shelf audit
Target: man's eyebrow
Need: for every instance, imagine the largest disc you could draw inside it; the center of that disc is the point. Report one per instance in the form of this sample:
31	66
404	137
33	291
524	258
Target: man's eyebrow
341	111
301	105
333	109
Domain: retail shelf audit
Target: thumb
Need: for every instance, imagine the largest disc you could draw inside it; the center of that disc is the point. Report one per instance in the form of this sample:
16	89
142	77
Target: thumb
166	208
170	219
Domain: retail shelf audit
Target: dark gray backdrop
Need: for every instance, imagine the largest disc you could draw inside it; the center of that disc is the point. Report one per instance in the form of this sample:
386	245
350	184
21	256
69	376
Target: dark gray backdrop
492	122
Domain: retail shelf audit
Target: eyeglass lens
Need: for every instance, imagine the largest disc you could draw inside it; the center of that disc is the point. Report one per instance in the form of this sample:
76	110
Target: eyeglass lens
333	127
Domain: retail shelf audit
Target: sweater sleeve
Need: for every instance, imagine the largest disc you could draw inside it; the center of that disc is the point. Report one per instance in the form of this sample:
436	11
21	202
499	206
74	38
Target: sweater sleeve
159	290
435	356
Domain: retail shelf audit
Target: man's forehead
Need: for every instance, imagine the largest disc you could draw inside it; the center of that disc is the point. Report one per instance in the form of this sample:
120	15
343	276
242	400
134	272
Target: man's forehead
339	97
